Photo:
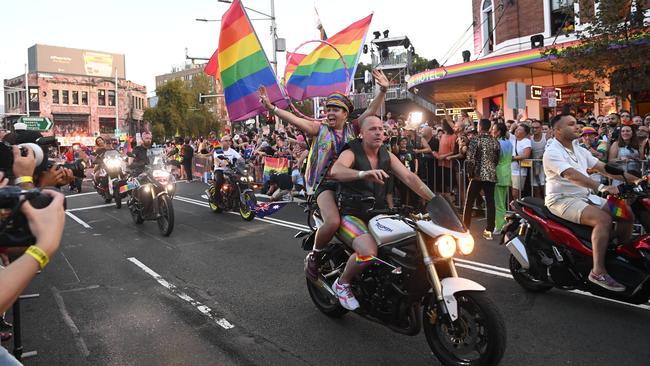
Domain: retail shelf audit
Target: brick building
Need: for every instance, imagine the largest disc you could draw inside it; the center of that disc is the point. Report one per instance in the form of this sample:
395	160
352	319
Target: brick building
508	35
76	90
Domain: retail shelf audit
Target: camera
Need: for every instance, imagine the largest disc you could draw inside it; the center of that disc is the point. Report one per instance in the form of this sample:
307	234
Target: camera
14	228
26	139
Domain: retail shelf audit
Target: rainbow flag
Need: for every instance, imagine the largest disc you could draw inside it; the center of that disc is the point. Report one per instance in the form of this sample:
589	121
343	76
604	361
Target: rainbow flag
364	259
322	72
293	60
619	208
244	66
279	165
216	147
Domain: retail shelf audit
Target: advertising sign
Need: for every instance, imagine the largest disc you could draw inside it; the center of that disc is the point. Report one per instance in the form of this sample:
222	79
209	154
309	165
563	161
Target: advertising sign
74	61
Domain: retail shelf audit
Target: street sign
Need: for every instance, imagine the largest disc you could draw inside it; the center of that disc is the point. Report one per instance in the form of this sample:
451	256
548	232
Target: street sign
516	95
37	123
549	97
117	133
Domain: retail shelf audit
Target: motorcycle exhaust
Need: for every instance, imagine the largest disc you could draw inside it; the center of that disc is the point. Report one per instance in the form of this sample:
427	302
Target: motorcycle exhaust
518	250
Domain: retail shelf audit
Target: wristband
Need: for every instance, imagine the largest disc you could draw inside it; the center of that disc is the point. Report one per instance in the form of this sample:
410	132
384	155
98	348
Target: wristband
383	89
39	255
600	187
24	179
362	173
275	109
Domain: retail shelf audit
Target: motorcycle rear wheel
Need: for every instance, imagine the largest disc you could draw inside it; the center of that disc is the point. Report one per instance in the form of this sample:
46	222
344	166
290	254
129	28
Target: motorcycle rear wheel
323	302
479	337
244	210
166	219
212	200
523	280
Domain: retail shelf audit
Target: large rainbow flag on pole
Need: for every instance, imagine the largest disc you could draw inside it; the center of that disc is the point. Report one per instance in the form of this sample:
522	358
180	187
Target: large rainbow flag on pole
322	72
244	66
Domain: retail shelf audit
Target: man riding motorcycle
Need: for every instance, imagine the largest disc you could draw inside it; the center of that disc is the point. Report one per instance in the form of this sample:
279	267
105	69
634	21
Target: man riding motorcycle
329	137
568	189
362	170
227	154
140	159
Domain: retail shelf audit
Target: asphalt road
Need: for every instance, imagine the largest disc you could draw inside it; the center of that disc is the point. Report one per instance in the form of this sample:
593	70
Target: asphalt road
222	291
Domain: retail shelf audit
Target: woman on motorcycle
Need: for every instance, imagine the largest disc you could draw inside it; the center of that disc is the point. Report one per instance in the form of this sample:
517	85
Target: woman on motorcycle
329	137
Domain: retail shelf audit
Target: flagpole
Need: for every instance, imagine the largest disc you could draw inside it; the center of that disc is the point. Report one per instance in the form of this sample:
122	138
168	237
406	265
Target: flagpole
117	101
274	36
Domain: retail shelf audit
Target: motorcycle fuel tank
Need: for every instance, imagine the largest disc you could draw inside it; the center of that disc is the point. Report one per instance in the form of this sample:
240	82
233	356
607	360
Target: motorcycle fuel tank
387	230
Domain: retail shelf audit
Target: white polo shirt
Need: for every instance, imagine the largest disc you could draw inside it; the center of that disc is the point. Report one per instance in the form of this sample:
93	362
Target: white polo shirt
556	160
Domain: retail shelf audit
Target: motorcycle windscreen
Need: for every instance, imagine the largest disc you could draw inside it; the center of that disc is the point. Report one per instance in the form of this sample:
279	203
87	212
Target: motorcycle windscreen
442	214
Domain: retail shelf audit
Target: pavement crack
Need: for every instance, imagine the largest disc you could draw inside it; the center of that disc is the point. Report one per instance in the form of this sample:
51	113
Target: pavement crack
67	319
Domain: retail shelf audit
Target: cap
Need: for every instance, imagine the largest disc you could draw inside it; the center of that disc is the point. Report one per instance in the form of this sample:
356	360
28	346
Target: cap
339	100
588	130
19	126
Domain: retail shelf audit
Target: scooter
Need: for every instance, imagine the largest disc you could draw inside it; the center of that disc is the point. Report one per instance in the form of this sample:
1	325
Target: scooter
413	284
548	251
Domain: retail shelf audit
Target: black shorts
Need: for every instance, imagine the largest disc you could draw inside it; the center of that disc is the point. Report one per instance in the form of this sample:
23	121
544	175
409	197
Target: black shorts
326	185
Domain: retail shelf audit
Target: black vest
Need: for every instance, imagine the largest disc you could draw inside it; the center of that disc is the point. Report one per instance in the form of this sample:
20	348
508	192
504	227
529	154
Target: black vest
352	193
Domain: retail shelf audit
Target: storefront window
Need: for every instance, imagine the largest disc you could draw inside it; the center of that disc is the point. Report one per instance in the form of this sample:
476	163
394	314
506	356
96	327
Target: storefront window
562	17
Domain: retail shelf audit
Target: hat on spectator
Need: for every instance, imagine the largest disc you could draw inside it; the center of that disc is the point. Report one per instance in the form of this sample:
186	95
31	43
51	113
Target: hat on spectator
339	100
588	130
20	126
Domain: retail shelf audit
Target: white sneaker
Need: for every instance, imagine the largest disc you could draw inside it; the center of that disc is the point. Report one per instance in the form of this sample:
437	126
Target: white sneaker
345	295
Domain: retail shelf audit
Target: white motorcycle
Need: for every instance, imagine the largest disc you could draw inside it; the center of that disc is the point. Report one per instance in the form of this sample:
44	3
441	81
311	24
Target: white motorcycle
413	283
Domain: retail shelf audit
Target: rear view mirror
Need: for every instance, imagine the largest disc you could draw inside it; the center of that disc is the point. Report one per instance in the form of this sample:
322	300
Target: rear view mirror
613	170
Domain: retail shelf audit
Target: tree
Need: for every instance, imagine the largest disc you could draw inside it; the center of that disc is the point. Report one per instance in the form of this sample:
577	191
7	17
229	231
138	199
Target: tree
613	47
179	110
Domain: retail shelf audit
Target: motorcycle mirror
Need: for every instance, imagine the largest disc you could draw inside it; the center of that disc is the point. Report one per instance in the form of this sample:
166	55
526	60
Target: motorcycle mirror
613	170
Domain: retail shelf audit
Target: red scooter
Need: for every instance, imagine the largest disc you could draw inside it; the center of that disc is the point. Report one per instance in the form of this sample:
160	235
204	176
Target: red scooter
548	251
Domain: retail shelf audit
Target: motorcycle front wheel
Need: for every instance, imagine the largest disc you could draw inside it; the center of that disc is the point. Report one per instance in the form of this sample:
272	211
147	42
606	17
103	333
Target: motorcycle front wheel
117	197
166	219
478	337
245	208
136	215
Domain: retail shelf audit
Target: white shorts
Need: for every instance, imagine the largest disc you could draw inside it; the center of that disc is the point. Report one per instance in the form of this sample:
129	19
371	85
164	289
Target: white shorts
570	208
518	182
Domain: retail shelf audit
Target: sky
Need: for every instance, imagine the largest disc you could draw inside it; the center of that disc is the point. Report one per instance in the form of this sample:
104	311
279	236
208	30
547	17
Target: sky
153	35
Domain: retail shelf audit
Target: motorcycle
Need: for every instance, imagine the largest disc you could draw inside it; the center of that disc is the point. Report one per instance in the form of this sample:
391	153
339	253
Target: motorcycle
413	284
108	177
235	192
151	193
547	251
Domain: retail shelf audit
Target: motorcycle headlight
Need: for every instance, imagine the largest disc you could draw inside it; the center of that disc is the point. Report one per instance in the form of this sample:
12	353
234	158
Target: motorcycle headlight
445	246
466	245
170	187
250	178
243	179
146	188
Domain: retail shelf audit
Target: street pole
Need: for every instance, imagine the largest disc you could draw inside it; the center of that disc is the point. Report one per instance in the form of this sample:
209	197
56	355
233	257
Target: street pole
274	36
26	90
117	104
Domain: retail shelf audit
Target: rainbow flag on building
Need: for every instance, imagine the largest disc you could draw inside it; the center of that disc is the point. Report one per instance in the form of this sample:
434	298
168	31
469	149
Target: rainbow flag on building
322	72
243	66
278	165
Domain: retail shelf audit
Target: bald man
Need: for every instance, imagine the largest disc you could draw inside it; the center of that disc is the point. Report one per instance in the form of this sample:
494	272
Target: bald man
363	169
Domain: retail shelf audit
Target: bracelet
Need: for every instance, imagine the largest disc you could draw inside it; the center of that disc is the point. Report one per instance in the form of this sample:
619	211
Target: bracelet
275	109
39	255
24	179
383	89
600	187
362	173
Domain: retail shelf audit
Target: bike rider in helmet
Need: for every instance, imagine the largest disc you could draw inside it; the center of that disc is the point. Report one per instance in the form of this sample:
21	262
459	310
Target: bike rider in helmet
329	137
363	170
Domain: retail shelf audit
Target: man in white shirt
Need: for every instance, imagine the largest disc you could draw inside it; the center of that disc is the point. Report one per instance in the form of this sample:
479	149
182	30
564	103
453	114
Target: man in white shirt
568	193
522	151
221	160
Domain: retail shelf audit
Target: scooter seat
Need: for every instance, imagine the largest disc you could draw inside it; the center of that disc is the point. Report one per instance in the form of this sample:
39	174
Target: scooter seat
581	231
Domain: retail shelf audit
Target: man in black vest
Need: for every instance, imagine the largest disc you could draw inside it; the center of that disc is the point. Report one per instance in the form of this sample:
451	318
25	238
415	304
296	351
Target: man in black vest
362	170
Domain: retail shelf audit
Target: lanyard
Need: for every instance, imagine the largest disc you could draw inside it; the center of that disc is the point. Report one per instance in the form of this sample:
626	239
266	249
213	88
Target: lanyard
338	144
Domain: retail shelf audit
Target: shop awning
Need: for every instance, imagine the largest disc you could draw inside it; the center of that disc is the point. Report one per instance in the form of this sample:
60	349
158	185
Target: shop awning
455	84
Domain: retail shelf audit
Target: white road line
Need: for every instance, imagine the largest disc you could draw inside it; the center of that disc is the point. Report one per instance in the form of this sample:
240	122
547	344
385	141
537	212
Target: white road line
80	221
488	266
180	294
80	194
89	207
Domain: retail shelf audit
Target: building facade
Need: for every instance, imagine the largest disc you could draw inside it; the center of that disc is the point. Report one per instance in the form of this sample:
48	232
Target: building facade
76	90
508	36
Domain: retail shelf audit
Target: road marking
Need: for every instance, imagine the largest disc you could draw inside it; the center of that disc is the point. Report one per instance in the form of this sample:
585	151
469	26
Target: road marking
80	221
222	322
488	266
89	207
80	194
67	319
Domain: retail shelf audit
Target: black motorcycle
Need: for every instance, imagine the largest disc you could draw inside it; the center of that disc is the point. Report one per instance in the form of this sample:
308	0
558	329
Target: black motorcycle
236	191
108	176
150	193
413	285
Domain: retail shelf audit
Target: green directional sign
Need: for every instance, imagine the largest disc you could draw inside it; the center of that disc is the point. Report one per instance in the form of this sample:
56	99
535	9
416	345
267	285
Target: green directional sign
37	123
